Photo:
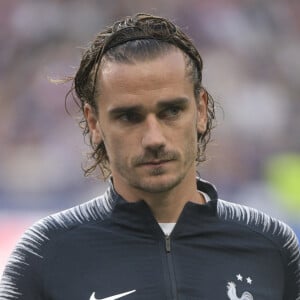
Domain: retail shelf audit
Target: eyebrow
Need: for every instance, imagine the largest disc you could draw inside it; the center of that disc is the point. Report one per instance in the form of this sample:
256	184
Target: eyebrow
176	101
160	105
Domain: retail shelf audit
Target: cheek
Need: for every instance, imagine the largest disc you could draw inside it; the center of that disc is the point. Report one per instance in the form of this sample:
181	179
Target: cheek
118	147
190	138
190	131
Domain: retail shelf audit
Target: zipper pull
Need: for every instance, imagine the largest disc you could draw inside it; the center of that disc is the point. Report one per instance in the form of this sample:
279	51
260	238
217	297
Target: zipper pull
168	243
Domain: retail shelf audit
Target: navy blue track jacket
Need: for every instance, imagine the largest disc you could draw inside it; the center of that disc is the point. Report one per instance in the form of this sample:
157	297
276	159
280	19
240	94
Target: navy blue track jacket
109	249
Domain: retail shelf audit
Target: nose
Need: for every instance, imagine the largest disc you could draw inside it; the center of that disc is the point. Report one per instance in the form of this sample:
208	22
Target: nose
153	137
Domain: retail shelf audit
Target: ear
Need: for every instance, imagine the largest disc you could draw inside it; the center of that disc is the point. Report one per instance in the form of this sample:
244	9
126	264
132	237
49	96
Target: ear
93	124
202	111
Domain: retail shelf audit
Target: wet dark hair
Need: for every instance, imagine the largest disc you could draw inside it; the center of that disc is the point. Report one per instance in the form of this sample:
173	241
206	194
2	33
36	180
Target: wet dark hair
129	40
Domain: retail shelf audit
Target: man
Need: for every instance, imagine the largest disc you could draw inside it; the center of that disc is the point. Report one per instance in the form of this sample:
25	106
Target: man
158	232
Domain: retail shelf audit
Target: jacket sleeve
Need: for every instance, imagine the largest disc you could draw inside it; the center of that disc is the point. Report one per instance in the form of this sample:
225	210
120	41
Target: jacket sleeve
22	276
292	255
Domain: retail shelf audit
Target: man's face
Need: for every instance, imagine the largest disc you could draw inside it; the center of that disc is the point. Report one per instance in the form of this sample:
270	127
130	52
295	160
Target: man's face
148	120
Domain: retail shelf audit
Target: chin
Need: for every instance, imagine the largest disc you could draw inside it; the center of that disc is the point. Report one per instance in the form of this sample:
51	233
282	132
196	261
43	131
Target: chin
158	184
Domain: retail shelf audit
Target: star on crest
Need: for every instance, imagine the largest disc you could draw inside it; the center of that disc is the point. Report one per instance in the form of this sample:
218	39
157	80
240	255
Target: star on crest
249	280
239	277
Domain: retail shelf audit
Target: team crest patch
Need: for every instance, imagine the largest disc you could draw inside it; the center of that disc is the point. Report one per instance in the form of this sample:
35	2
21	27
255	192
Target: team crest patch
232	289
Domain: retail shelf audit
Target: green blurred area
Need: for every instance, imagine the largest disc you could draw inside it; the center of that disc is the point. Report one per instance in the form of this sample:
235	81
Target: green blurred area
283	176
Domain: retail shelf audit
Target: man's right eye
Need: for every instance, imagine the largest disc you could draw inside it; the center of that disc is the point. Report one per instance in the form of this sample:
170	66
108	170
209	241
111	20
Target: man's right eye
130	117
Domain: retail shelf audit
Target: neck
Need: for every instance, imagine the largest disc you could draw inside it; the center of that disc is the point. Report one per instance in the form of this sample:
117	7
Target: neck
165	206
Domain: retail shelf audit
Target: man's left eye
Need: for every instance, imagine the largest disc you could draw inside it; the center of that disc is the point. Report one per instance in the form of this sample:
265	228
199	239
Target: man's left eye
171	112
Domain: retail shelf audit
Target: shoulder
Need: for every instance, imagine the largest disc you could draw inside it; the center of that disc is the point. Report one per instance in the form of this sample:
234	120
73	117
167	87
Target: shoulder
258	222
42	231
271	229
26	261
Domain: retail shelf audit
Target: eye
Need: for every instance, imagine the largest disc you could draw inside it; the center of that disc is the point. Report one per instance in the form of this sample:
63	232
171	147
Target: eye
130	117
171	112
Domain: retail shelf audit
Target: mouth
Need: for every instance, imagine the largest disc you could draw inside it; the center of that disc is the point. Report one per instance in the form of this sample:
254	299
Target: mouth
155	162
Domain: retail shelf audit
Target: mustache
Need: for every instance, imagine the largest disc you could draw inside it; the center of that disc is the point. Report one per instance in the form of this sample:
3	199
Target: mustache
158	155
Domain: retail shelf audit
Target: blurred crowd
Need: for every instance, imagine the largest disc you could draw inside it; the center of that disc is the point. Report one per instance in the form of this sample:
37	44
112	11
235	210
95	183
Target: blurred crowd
251	67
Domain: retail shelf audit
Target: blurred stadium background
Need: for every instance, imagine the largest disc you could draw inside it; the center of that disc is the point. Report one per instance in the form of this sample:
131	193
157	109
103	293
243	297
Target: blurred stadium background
251	66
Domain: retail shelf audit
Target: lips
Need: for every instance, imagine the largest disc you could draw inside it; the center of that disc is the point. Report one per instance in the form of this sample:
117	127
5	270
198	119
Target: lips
155	162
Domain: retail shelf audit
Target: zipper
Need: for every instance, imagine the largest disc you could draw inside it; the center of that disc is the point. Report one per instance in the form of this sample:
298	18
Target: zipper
171	267
168	243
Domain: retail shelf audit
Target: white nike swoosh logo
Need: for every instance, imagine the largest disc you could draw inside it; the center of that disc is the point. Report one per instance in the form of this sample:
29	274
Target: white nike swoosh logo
112	297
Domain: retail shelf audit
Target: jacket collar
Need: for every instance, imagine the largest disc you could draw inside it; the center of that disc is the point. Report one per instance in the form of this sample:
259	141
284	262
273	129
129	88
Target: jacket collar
137	216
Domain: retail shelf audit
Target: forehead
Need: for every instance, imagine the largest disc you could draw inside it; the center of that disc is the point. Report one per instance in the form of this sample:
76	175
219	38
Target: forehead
165	74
